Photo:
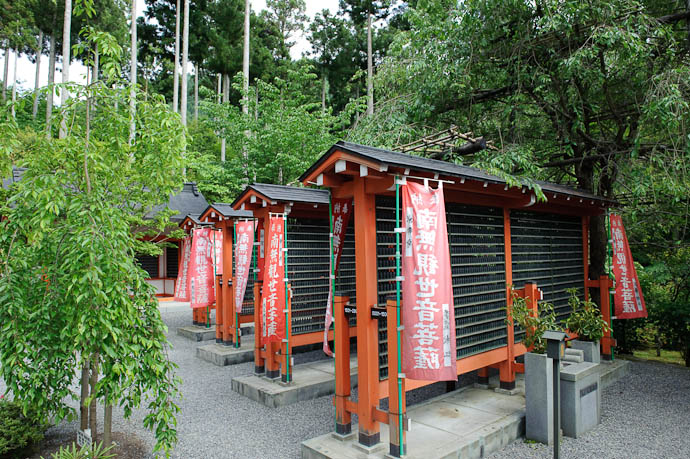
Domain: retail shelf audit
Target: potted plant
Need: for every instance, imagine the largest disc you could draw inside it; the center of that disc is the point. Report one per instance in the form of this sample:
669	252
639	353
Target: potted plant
586	321
538	367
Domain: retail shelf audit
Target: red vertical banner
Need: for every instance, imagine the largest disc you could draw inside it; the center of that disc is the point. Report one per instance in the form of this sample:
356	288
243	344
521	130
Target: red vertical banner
628	299
244	232
182	282
217	242
342	209
428	350
201	279
273	303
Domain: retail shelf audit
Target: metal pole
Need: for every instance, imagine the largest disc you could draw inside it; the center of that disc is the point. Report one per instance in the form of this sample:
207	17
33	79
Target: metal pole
556	408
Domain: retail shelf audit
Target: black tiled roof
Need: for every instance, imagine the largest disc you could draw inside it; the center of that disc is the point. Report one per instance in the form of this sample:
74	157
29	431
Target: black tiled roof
227	211
418	163
17	174
189	201
283	193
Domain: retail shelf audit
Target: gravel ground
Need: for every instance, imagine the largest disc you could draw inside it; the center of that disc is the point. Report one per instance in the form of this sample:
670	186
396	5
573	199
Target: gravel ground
645	416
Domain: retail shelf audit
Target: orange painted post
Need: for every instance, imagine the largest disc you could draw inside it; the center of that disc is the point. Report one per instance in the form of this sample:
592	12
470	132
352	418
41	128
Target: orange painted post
228	308
259	364
532	297
219	308
397	437
585	252
483	376
341	345
367	328
507	368
605	283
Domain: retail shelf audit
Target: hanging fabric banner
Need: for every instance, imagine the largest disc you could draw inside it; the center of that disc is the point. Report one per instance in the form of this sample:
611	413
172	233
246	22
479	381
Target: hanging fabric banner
201	268
342	208
217	243
182	282
427	290
273	303
243	258
628	299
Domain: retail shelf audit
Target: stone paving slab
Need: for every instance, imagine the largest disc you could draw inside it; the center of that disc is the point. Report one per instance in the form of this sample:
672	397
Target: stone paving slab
309	381
468	423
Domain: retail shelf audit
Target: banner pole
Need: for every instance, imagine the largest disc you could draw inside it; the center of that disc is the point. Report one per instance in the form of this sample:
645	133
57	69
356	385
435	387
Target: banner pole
215	291
609	250
287	302
331	280
237	316
398	255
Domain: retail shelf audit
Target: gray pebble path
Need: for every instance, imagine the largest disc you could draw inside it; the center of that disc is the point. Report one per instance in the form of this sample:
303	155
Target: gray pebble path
646	415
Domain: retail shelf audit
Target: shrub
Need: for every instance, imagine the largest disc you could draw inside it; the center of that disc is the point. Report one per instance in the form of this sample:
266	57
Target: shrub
534	325
585	320
97	451
18	430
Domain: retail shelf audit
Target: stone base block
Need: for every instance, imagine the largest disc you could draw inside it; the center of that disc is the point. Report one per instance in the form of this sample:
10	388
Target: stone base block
197	333
309	381
221	355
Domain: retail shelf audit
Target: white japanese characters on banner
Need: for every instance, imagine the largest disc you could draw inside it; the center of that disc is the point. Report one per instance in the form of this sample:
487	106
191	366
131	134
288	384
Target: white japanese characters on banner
342	209
273	303
628	299
218	245
182	282
428	311
201	268
244	232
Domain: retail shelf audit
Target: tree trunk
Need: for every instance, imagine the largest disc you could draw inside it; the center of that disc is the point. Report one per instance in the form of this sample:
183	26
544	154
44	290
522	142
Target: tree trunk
245	86
39	53
96	63
226	98
6	73
370	70
324	83
14	85
176	73
83	407
66	48
107	424
93	417
51	79
185	57
196	92
218	88
133	75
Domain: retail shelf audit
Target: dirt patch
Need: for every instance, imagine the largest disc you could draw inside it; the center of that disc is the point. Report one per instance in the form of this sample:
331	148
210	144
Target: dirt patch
127	446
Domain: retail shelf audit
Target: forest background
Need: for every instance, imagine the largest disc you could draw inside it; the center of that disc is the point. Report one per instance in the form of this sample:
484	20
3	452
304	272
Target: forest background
593	94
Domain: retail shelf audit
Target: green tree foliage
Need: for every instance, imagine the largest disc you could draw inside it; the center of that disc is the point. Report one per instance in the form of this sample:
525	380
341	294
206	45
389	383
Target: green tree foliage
283	121
18	430
69	284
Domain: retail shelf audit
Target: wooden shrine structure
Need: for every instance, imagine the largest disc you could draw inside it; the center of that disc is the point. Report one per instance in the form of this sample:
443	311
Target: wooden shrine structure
228	321
499	236
308	244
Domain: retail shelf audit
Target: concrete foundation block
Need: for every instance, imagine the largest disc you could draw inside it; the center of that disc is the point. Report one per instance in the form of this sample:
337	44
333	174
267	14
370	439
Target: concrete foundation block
309	381
580	399
221	355
539	398
590	349
197	333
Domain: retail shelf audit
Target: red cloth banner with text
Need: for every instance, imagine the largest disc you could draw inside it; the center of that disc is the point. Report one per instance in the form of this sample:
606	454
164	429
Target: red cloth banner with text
182	282
628	299
217	242
201	268
244	232
342	209
428	313
273	302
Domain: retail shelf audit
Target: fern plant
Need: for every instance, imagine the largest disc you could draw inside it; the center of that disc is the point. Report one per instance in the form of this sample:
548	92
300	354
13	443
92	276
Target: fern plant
534	324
